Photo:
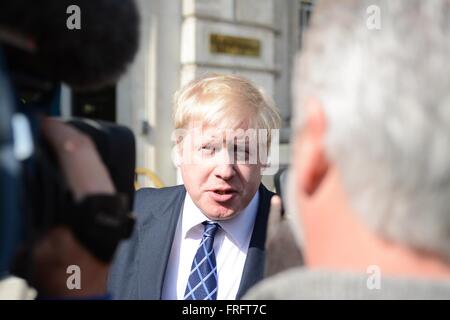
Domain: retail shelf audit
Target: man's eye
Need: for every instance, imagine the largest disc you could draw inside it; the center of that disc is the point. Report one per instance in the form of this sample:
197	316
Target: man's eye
241	148
208	149
242	151
242	155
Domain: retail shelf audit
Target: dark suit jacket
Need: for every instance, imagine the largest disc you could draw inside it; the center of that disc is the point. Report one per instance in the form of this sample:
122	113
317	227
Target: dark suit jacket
140	263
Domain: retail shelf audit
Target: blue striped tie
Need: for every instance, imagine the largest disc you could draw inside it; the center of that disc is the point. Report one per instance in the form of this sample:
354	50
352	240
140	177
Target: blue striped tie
202	282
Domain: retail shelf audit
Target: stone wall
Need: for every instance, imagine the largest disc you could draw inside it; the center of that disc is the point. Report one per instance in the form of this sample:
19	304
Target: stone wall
245	19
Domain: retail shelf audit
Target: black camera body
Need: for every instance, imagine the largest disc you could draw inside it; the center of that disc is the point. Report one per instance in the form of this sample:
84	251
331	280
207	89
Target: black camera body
98	221
35	197
38	52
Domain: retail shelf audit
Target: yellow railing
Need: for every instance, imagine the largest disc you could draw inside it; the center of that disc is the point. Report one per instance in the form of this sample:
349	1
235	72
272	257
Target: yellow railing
153	177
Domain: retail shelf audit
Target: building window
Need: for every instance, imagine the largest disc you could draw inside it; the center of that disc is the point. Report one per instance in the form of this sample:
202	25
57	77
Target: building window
306	7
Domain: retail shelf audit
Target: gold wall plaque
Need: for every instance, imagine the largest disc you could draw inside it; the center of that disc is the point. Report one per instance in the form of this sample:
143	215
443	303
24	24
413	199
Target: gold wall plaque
237	46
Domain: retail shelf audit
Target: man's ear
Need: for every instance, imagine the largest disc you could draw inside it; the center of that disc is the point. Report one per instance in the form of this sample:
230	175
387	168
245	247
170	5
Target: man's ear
176	154
312	163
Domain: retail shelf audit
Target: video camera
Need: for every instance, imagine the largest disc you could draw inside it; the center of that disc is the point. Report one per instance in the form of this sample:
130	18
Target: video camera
34	196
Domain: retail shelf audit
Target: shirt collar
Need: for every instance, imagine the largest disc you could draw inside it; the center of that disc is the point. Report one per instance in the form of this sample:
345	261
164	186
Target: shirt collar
239	228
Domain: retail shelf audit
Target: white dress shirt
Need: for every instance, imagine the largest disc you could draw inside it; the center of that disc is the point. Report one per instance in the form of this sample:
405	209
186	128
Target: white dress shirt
231	244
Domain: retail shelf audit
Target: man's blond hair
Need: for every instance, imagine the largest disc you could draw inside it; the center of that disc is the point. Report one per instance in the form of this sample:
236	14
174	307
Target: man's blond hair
224	101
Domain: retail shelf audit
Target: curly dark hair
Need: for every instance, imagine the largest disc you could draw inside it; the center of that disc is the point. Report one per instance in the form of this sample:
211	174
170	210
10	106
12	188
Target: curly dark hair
96	54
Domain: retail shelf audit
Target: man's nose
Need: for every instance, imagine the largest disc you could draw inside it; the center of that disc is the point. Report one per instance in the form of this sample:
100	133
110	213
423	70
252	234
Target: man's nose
224	166
225	171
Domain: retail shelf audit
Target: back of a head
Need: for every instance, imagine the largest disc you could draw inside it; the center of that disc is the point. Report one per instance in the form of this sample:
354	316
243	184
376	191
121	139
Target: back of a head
94	55
381	70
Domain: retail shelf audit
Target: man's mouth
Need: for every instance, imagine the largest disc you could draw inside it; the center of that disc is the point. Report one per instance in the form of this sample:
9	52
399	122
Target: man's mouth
224	191
222	195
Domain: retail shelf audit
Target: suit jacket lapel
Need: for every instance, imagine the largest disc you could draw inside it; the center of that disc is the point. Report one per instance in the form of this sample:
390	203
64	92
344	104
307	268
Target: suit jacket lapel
155	243
254	264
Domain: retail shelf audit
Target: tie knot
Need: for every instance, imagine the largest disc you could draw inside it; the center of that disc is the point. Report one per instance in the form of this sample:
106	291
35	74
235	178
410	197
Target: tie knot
210	229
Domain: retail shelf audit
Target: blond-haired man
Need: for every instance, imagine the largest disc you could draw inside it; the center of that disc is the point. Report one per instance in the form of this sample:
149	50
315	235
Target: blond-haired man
205	239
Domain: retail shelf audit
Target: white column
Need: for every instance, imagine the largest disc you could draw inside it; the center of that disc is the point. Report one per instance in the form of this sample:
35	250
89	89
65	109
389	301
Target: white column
145	94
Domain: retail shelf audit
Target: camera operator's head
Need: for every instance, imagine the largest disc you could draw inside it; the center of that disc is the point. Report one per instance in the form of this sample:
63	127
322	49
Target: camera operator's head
91	56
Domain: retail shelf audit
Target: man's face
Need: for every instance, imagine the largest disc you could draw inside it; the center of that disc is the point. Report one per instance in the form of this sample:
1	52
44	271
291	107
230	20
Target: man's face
219	170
